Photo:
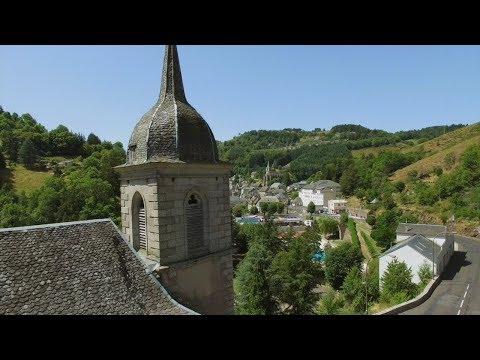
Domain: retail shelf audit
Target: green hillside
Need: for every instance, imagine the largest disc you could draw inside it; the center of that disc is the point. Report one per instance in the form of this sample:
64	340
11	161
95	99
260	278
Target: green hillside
23	179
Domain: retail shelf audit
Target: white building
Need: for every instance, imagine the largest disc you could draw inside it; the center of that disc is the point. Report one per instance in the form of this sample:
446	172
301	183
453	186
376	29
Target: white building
319	192
337	205
417	250
405	230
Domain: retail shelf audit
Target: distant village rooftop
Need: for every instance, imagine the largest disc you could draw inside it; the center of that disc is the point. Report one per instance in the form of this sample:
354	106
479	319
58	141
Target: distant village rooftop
322	184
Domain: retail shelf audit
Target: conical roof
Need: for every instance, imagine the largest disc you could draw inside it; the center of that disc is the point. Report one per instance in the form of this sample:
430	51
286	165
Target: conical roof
172	131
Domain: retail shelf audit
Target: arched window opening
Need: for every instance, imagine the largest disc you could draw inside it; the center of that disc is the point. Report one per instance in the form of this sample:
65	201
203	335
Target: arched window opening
195	223
139	223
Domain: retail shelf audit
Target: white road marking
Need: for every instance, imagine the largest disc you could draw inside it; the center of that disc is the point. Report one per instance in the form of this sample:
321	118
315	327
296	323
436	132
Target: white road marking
465	295
458	313
468	286
461	304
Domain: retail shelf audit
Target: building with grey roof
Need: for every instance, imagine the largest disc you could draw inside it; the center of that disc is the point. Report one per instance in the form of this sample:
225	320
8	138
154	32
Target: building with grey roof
405	230
77	268
319	192
417	250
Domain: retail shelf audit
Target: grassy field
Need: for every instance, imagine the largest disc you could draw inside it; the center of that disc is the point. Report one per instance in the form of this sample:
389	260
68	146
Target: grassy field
427	164
447	141
23	179
376	150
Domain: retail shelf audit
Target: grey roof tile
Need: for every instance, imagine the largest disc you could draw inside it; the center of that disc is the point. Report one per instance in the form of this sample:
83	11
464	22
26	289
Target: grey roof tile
56	277
420	244
421	229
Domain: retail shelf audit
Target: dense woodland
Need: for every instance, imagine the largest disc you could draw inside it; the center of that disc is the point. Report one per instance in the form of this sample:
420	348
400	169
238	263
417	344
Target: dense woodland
89	190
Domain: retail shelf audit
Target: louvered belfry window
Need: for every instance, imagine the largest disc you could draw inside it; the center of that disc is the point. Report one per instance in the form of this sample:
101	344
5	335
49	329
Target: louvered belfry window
139	223
142	228
194	218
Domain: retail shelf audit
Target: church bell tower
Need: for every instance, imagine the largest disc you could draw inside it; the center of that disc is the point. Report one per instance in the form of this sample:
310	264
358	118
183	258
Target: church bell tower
175	199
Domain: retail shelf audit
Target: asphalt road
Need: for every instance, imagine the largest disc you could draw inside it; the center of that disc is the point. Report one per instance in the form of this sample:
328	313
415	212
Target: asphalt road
459	291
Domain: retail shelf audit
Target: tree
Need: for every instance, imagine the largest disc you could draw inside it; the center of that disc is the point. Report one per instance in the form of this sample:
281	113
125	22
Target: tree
348	181
371	219
437	170
385	228
339	261
293	195
286	179
294	276
272	208
239	238
10	145
344	218
254	295
239	210
264	206
373	280
449	160
425	273
254	210
354	289
27	155
93	139
311	207
397	282
2	160
331	303
327	225
388	202
280	207
399	186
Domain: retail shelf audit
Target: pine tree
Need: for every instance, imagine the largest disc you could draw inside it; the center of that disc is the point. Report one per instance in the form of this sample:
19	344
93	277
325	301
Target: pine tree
254	296
27	154
397	282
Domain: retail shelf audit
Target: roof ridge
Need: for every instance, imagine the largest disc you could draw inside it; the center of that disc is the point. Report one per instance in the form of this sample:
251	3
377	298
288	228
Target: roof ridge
53	225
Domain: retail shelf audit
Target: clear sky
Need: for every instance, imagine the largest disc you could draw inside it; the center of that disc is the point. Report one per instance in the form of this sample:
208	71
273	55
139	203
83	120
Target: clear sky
106	89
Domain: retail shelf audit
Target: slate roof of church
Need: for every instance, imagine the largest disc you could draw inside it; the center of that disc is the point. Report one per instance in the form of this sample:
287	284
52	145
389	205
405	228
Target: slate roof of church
172	130
75	268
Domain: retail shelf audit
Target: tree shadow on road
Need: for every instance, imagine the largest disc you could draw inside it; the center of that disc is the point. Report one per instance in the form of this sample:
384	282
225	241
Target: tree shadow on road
457	261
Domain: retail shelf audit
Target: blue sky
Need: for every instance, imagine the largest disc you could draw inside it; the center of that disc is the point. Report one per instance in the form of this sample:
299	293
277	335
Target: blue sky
106	89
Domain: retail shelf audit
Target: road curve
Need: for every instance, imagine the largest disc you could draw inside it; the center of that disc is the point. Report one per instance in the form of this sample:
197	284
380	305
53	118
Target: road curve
459	291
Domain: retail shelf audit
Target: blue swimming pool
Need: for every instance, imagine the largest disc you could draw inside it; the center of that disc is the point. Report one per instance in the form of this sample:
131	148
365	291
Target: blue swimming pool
249	221
319	256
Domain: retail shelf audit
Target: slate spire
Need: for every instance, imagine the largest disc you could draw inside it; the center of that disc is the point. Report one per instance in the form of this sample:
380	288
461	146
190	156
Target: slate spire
172	84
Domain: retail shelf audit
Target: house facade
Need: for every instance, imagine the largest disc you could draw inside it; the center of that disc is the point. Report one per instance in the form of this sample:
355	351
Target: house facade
319	193
337	205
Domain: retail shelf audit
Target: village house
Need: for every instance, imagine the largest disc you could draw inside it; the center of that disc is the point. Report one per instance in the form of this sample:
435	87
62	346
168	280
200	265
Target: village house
337	205
417	250
319	193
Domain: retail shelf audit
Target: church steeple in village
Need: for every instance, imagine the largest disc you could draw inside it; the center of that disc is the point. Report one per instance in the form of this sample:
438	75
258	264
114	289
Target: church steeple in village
175	199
